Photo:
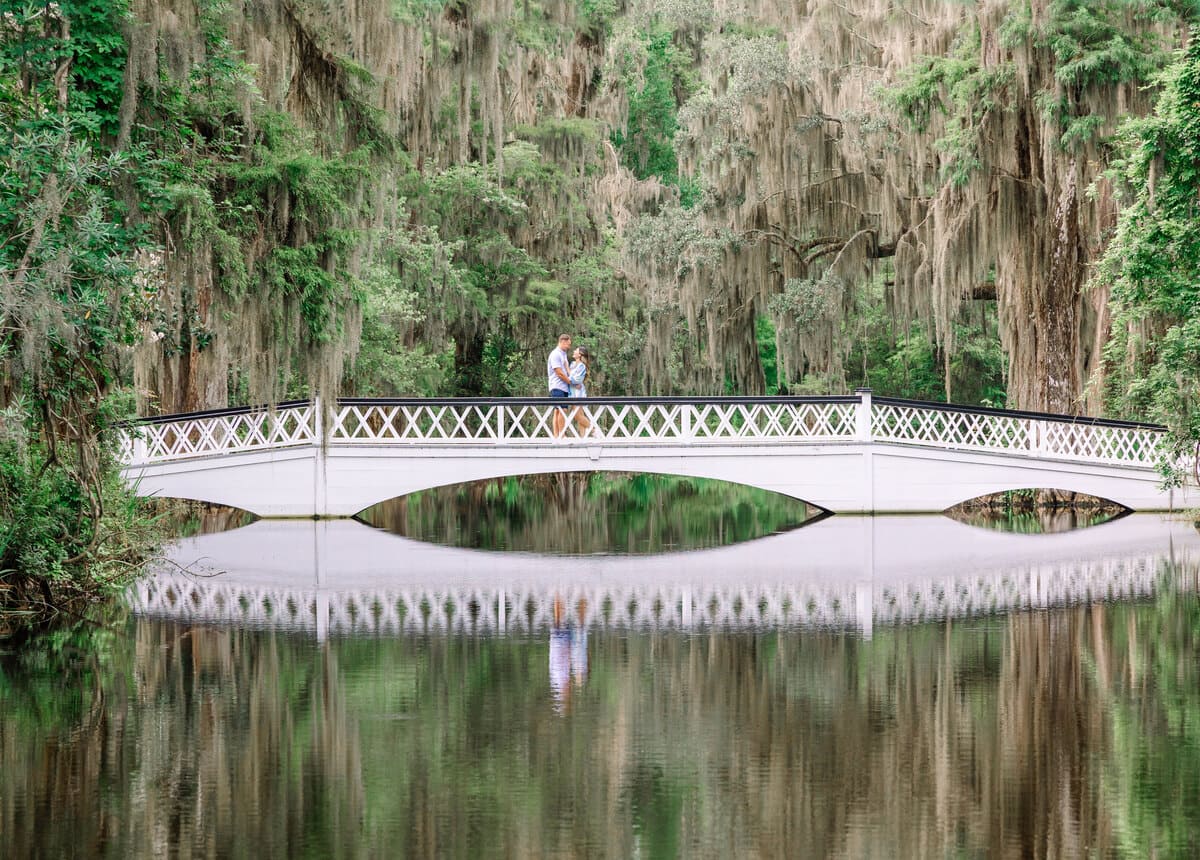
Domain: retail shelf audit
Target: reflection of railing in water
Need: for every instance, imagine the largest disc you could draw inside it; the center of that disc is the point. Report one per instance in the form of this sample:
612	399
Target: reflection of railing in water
481	610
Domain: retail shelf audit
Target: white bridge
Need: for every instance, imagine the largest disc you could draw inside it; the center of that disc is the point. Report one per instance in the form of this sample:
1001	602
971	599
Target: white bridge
847	454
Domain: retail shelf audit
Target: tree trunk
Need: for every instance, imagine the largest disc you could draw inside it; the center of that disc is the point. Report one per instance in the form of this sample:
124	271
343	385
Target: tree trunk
1055	385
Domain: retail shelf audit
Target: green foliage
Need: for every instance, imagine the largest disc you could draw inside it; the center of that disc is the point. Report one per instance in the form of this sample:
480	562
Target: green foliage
898	360
492	295
595	17
67	262
285	165
961	89
414	11
607	314
537	24
587	513
1094	44
1098	45
99	56
387	364
658	82
79	40
70	528
40	507
62	536
646	144
468	207
1090	45
931	84
895	357
899	364
263	206
764	336
76	277
1152	265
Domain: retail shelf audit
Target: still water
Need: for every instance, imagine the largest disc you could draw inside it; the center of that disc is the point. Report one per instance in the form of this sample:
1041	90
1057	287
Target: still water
858	687
590	513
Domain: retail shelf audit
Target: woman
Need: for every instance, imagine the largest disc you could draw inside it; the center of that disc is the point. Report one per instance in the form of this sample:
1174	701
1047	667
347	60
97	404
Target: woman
577	376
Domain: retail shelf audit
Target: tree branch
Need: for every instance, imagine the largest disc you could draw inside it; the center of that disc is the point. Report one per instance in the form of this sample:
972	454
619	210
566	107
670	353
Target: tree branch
981	292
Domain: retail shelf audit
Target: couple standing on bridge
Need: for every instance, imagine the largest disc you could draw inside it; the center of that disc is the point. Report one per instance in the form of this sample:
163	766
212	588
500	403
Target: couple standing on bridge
568	379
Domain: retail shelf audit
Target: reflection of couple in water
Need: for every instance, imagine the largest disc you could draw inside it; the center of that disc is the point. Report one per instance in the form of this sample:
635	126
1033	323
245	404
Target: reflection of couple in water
568	654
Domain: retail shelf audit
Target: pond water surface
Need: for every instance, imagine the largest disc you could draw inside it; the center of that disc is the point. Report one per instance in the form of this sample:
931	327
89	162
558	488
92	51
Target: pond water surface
858	687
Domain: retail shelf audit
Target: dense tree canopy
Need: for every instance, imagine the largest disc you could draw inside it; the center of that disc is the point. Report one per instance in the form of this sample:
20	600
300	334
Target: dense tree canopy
1153	263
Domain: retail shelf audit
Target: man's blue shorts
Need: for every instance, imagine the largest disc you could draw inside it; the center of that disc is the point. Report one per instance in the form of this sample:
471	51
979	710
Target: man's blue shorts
558	392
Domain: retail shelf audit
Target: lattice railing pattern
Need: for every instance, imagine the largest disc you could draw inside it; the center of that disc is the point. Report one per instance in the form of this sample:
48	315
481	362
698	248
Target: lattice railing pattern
663	421
992	431
1099	442
613	421
520	609
943	428
205	435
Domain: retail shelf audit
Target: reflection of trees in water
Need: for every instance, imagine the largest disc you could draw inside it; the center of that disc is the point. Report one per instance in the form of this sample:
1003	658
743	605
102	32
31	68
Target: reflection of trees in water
580	513
222	742
186	518
1036	522
1036	511
1062	733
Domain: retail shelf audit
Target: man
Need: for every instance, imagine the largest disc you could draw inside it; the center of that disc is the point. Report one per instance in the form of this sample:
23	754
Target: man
557	368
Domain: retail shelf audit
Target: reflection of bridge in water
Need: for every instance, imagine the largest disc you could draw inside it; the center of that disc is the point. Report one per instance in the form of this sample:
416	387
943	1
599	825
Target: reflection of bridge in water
343	577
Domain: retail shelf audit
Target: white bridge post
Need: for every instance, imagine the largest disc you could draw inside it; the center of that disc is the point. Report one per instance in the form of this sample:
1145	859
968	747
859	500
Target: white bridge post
862	432
1037	438
320	491
863	415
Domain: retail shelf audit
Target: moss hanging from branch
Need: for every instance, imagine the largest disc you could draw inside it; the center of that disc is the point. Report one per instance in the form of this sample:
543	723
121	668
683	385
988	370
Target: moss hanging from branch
958	140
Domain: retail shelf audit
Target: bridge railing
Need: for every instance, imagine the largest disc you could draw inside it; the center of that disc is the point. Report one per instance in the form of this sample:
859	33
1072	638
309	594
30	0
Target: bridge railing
518	421
1045	435
615	420
222	431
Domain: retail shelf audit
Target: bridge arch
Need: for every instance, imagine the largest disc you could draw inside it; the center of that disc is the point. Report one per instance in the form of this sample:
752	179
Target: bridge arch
590	513
391	485
171	488
600	468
